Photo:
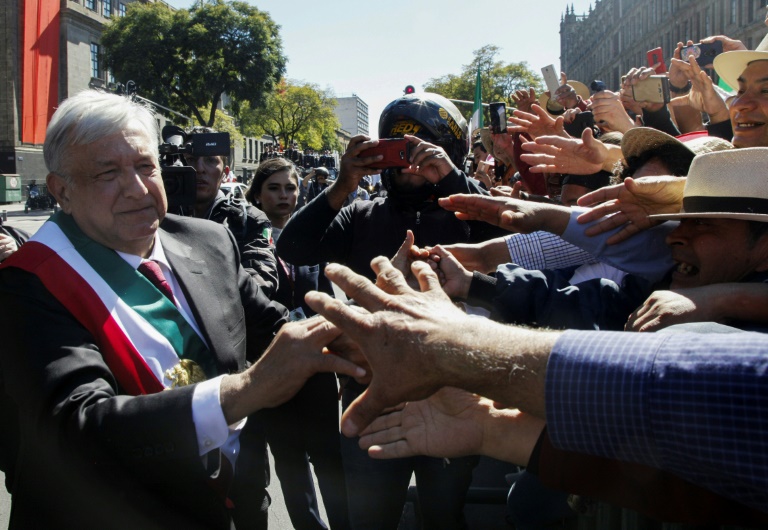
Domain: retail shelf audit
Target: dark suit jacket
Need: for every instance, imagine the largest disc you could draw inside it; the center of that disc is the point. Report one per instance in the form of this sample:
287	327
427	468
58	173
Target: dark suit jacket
91	456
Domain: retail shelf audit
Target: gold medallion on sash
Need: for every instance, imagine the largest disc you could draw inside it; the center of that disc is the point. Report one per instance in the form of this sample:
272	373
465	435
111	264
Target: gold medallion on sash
185	373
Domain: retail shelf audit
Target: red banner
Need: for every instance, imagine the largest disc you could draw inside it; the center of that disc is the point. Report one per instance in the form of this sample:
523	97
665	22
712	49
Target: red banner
40	67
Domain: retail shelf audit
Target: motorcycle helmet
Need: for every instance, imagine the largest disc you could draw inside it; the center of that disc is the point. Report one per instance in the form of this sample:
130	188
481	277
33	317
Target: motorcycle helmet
430	117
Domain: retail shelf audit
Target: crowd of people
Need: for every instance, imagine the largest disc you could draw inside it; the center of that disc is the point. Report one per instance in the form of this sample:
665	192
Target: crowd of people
587	301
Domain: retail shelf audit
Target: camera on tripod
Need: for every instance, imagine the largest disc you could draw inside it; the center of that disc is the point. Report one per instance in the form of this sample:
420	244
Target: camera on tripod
179	178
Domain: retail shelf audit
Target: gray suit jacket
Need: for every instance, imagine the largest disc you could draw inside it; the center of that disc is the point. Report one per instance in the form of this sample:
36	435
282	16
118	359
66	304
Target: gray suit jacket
91	456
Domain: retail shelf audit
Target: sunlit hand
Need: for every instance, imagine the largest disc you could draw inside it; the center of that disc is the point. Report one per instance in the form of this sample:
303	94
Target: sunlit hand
666	308
554	154
631	202
524	99
537	123
510	214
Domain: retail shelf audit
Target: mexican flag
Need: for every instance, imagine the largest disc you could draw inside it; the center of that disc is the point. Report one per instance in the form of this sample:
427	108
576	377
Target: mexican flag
477	109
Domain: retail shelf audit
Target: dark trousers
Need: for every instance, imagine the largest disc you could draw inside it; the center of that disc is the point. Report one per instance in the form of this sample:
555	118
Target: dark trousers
377	489
304	430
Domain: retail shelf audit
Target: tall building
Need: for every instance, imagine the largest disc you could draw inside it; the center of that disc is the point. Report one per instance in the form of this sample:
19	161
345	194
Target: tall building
615	35
352	113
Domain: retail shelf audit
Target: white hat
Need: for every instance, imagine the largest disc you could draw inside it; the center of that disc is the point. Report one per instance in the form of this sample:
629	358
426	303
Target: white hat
730	65
729	184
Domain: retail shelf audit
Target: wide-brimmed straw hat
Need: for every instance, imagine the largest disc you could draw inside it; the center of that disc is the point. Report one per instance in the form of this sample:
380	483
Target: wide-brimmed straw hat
639	140
728	184
730	65
580	88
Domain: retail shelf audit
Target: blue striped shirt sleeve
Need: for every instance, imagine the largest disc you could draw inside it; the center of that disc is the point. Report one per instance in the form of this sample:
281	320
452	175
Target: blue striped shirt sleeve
692	404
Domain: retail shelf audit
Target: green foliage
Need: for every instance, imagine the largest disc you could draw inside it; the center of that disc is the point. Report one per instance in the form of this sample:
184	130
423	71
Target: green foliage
187	59
295	112
499	80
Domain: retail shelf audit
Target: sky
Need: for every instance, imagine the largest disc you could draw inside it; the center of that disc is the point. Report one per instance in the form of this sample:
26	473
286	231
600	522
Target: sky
375	49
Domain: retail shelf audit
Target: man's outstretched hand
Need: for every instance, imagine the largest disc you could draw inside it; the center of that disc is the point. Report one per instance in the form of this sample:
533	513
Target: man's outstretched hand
400	335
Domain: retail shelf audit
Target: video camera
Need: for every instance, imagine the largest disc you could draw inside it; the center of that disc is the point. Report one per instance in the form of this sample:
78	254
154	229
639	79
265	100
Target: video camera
179	178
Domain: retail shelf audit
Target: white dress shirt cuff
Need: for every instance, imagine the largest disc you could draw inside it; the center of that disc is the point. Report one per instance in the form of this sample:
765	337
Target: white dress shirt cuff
210	424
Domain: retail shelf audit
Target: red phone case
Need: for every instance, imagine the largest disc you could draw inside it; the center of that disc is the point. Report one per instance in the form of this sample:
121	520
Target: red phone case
654	56
396	153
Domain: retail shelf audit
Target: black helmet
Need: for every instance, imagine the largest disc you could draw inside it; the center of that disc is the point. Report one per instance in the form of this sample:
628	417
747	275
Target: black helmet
430	117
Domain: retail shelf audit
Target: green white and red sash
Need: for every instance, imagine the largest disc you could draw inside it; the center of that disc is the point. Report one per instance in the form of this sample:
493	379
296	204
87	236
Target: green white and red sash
140	333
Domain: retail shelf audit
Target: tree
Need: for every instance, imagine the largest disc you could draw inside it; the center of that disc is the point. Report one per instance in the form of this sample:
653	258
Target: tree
295	112
498	79
188	58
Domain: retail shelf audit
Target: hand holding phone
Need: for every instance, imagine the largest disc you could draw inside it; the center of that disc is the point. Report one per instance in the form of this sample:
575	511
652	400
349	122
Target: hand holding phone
396	152
704	53
653	89
498	111
551	79
655	59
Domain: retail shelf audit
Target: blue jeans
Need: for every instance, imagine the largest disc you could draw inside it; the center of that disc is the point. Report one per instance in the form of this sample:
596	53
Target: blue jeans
377	489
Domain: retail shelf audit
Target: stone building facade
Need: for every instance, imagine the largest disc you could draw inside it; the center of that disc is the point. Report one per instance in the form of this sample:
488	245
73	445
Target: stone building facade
615	35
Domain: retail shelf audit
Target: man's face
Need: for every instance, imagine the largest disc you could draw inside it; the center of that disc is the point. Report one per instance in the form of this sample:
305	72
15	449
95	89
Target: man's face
210	173
749	110
116	195
709	251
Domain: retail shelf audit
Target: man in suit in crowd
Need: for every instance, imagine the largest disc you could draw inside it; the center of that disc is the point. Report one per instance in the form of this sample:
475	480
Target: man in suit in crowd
127	339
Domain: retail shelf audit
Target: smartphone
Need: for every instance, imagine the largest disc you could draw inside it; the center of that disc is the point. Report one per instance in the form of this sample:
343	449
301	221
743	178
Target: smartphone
396	151
580	122
551	78
654	89
498	112
704	53
656	57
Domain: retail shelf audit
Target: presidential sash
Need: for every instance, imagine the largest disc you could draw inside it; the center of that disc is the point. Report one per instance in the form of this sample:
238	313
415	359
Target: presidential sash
140	333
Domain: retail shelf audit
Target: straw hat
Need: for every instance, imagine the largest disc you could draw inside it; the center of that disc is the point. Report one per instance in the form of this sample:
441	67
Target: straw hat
730	65
580	88
639	140
728	184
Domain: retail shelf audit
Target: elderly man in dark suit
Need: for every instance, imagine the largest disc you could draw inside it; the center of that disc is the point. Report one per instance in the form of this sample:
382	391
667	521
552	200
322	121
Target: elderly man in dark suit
127	335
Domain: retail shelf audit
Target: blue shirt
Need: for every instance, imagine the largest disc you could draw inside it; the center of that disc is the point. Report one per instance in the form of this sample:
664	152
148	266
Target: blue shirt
692	404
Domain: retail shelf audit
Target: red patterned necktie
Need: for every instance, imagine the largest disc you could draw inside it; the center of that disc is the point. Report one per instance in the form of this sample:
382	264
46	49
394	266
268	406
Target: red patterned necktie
154	274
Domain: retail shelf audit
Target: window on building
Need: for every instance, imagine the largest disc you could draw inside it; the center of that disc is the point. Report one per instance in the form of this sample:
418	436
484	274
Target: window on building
110	77
121	9
734	12
90	4
751	11
95	65
106	8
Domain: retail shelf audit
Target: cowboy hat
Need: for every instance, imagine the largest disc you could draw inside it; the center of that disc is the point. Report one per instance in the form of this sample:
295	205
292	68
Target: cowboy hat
729	184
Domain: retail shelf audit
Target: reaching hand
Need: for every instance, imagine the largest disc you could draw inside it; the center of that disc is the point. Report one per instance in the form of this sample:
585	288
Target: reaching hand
538	123
447	424
554	154
454	278
402	336
404	258
631	202
482	257
666	308
524	99
453	423
510	214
